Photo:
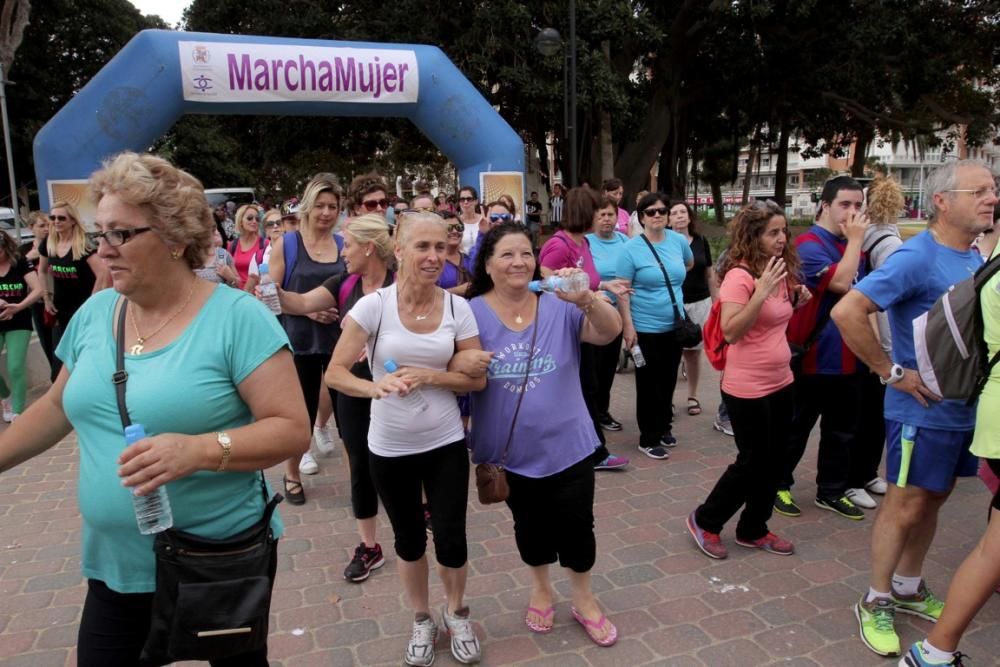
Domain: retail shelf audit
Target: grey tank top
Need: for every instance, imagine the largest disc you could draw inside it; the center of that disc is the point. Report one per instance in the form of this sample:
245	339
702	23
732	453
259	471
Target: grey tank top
309	336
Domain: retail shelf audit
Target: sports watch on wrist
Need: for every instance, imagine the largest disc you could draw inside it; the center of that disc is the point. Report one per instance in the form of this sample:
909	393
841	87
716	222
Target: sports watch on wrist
895	375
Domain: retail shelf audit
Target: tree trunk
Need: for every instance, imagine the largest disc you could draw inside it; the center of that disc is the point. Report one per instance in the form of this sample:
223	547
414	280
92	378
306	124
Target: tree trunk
13	20
607	150
637	157
781	169
720	212
751	159
861	143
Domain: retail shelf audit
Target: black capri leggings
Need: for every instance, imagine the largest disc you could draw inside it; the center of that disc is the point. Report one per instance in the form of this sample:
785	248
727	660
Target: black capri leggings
443	473
354	417
554	517
310	369
114	626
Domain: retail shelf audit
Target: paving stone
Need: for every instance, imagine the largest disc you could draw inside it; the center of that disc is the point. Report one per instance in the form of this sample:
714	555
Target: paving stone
734	653
789	640
730	625
676	639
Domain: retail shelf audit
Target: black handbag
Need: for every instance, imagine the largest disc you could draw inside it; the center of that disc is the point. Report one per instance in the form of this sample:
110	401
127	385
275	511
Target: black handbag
686	333
213	597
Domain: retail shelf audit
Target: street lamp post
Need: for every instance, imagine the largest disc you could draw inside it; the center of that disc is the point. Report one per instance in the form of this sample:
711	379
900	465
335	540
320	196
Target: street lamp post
549	43
10	157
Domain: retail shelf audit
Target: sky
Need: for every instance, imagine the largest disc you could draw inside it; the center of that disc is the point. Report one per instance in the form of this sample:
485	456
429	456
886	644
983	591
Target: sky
169	10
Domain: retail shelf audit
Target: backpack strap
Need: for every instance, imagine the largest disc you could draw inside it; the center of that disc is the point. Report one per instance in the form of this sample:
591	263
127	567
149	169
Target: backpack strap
290	247
339	240
346	285
232	246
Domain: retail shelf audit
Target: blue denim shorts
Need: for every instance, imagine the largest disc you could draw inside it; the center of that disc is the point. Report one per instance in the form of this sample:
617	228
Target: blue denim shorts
937	457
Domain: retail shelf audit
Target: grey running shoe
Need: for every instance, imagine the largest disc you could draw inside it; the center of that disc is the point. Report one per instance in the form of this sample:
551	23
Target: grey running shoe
420	650
464	643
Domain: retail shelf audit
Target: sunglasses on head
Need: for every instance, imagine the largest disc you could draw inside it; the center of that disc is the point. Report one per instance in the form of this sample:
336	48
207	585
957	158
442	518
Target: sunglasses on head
500	217
466	198
421	209
654	211
59	218
373	204
456	227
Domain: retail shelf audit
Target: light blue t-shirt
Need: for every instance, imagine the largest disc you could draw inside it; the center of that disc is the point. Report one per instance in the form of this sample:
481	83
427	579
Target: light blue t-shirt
605	253
651	310
190	387
906	286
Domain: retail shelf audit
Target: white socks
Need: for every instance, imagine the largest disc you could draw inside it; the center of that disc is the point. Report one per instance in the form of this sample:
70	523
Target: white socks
874	595
906	585
936	655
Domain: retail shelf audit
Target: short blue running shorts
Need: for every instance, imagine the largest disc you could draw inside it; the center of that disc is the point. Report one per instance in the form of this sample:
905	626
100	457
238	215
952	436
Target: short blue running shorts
937	457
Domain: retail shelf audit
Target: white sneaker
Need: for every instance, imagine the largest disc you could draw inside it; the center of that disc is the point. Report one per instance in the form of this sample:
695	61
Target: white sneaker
324	440
878	486
308	465
8	410
464	643
420	650
861	498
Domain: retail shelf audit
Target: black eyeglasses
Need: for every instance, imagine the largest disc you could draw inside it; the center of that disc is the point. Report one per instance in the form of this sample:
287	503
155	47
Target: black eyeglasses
373	204
456	227
497	218
466	199
653	212
116	237
273	223
59	218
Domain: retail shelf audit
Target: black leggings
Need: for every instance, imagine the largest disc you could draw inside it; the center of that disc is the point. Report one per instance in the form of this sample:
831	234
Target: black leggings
554	517
114	626
654	386
44	332
310	369
443	473
354	417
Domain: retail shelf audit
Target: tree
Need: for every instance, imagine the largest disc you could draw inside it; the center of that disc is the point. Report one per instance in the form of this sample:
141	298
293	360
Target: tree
13	21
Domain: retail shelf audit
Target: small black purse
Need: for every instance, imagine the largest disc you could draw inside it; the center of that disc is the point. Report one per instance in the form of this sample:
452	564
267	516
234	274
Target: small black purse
213	597
686	333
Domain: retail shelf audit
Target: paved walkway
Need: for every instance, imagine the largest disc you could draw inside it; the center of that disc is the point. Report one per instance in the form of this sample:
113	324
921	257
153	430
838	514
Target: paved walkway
672	605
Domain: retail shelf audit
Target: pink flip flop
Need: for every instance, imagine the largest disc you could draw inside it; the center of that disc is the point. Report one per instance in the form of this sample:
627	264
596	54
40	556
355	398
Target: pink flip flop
595	629
538	627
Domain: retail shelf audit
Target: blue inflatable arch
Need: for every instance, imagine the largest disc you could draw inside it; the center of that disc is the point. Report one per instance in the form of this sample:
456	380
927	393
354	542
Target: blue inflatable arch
161	75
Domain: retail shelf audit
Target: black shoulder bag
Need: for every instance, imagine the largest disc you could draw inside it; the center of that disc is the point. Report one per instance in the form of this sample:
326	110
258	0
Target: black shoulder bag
686	333
213	597
491	478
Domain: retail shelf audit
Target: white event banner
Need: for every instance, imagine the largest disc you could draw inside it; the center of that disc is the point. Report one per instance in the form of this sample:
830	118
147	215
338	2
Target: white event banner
241	72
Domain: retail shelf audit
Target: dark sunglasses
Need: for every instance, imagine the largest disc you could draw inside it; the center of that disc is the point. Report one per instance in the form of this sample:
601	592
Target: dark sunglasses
466	198
456	227
373	204
273	223
496	218
116	237
421	209
59	218
655	211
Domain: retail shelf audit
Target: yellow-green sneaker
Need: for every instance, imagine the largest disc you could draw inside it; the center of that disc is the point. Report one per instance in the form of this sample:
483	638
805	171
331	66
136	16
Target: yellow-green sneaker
785	504
923	603
876	624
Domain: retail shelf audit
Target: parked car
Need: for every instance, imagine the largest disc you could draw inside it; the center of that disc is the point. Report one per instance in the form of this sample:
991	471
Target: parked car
7	225
239	196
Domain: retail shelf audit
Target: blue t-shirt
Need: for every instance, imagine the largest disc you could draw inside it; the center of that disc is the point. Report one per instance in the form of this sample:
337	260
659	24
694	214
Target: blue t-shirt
651	309
906	286
605	253
190	387
553	430
820	252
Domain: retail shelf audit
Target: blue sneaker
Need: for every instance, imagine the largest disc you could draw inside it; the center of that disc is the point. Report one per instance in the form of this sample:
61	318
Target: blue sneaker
916	657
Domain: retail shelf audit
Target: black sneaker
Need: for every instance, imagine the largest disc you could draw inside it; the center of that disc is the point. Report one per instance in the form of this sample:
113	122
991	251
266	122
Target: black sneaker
609	423
655	452
365	560
785	504
841	506
668	440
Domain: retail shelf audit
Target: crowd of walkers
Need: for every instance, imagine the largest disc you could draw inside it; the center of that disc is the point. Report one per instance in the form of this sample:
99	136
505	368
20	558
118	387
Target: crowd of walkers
414	332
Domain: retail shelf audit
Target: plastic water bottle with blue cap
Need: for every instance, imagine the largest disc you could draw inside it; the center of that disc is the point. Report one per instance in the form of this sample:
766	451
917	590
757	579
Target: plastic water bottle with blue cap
152	511
413	401
268	291
574	282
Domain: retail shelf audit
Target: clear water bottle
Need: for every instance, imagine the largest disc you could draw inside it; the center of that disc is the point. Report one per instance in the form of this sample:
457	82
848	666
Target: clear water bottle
152	511
576	282
413	401
268	291
637	357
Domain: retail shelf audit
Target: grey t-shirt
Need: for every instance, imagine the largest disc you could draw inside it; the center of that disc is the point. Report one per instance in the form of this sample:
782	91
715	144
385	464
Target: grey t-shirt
880	242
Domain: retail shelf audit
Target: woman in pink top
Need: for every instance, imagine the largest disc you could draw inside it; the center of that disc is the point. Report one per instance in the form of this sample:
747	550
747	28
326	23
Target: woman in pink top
758	293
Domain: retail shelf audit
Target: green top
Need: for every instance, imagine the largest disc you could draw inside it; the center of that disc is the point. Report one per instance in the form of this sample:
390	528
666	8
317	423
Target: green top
188	387
986	442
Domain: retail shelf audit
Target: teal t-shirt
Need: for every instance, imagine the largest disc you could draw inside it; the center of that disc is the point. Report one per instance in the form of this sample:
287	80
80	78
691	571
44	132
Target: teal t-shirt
651	311
605	253
190	387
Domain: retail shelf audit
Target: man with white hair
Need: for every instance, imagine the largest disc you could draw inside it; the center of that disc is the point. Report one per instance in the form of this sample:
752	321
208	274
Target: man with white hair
927	439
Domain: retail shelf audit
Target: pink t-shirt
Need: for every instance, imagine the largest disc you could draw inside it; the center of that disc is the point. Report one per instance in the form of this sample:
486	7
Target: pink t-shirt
757	364
562	252
623	220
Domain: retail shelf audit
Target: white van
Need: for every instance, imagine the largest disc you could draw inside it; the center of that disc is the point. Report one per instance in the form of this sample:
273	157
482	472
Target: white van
239	196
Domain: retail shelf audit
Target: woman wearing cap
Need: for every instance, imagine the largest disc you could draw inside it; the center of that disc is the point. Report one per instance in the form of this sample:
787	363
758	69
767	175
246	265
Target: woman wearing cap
300	262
